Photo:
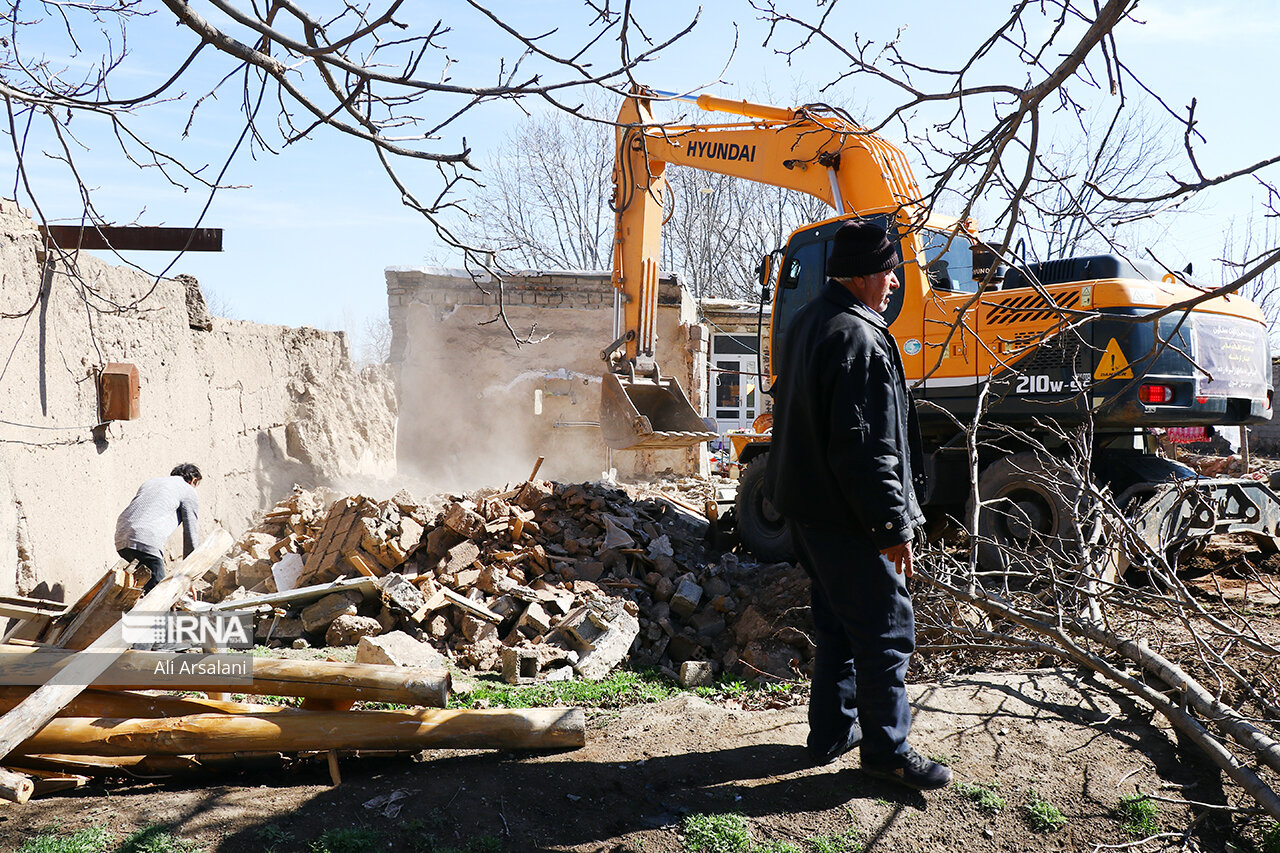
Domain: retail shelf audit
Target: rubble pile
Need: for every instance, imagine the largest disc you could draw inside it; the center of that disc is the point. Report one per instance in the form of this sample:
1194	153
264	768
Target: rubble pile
545	580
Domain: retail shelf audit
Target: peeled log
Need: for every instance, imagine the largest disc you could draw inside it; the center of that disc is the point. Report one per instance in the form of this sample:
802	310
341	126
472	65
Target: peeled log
364	682
15	787
302	731
121	704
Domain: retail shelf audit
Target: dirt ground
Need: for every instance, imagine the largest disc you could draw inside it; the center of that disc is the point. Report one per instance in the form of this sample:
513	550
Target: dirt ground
1045	734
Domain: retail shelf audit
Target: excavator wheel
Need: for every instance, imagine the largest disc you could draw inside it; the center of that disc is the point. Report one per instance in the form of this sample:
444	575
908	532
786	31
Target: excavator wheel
761	530
1028	517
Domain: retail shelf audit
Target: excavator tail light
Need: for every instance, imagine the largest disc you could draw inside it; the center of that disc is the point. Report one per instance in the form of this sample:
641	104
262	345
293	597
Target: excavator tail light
1155	394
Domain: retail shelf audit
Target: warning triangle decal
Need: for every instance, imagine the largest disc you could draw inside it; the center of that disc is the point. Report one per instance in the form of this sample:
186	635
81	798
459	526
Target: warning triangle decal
1113	364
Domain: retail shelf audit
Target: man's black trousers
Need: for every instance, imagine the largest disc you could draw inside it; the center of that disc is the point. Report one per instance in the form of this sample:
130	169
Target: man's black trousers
865	636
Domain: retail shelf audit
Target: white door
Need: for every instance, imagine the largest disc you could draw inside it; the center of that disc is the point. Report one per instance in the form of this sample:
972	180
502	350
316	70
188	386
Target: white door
736	402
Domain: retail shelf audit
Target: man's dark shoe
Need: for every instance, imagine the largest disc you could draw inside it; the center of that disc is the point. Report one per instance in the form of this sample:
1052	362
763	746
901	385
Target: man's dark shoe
911	769
855	738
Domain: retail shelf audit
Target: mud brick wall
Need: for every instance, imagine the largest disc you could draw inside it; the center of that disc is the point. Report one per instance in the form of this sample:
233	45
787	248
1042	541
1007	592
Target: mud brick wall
258	408
476	406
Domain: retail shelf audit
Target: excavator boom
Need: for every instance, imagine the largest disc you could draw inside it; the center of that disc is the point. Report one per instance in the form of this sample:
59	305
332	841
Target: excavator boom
805	149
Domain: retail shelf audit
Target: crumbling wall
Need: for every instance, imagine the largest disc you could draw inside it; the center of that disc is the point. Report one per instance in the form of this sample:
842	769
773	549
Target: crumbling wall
478	407
1265	438
258	408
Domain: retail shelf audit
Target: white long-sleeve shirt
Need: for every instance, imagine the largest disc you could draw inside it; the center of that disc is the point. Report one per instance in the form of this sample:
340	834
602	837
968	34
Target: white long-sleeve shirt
161	504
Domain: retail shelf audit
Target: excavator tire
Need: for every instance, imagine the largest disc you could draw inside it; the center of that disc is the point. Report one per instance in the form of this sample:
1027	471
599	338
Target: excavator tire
1028	518
760	530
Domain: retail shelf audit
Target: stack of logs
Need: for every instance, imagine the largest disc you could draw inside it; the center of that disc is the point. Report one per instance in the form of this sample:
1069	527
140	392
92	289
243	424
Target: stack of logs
57	732
541	580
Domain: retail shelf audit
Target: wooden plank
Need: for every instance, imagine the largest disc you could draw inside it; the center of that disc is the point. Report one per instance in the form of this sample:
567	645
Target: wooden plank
134	238
361	565
87	607
49	782
435	602
343	682
40	707
21	607
120	598
475	608
58	625
304	731
302	593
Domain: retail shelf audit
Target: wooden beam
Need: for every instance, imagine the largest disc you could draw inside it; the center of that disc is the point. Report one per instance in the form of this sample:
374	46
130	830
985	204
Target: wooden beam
20	607
306	731
302	593
15	787
130	238
475	608
123	703
318	679
40	707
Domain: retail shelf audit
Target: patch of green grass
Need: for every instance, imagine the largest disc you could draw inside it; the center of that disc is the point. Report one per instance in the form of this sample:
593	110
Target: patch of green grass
92	839
157	839
848	841
776	847
1271	838
1042	815
716	833
273	836
423	832
348	839
985	798
621	689
1139	816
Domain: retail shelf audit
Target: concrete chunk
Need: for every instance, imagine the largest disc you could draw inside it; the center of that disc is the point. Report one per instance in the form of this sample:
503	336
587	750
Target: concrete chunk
461	556
318	616
697	673
534	622
686	598
463	520
610	647
398	649
347	630
399	593
519	666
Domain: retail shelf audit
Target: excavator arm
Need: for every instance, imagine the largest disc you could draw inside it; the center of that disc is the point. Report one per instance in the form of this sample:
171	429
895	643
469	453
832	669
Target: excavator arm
808	149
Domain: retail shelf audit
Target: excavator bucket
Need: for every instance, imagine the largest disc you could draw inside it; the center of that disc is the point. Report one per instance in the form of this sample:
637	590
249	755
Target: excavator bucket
648	412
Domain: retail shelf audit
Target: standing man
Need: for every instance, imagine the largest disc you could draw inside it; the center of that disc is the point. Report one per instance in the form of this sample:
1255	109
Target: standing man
161	504
845	461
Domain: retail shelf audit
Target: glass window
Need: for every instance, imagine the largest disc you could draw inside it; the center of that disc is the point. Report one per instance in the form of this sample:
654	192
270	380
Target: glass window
734	345
727	384
952	270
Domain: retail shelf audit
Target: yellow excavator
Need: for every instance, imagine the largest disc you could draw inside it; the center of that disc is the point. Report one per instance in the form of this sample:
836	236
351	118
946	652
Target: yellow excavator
1068	339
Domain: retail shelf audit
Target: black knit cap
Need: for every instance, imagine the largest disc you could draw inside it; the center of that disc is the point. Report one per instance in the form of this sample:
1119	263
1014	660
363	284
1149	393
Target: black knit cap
861	247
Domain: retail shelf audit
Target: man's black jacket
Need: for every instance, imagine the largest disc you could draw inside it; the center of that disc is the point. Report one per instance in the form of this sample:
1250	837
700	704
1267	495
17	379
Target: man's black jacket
846	443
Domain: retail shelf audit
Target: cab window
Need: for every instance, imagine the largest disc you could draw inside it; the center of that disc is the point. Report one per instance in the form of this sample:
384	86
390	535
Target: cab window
951	270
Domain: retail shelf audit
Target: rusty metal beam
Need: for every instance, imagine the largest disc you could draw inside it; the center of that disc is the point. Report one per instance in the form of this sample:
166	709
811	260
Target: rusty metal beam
134	238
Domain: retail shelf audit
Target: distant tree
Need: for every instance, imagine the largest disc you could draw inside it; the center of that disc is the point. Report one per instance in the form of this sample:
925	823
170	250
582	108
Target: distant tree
544	199
1072	211
545	202
1243	244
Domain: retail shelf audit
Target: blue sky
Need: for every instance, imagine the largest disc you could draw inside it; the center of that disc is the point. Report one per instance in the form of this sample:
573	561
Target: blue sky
307	238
